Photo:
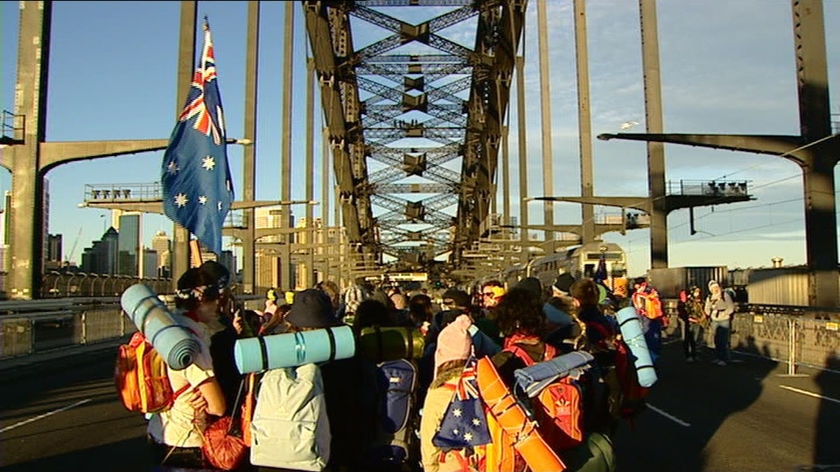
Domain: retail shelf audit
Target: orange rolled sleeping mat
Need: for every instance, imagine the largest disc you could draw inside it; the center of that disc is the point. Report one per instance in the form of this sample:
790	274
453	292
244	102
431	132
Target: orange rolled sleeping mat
513	419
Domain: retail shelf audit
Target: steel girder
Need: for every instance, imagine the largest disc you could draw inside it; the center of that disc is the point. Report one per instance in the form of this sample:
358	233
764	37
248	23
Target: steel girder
377	98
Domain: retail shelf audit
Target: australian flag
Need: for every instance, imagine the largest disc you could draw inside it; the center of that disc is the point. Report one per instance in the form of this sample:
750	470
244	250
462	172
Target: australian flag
464	424
197	187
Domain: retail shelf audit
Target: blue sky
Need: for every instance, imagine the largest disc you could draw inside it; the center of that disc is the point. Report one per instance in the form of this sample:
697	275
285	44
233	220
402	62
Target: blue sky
726	67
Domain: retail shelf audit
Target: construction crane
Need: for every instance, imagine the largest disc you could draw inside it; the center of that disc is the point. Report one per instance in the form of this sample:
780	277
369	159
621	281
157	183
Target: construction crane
73	249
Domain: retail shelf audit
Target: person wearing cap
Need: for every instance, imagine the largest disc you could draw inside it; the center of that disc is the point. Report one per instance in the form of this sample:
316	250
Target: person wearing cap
348	384
719	307
491	293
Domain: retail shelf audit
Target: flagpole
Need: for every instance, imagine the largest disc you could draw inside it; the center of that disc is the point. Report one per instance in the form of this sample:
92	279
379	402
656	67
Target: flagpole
186	58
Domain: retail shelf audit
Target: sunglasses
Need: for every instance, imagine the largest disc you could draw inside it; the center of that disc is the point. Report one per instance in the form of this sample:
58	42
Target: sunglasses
489	294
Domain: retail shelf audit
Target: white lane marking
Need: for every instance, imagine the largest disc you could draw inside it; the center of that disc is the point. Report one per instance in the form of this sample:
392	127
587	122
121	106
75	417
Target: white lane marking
40	417
669	416
810	394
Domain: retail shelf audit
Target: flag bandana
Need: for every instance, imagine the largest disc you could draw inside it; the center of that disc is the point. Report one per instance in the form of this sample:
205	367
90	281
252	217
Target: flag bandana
464	423
601	272
195	175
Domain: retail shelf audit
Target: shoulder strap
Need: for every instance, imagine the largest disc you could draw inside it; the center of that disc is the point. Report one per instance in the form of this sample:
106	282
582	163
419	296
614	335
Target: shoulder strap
549	352
520	353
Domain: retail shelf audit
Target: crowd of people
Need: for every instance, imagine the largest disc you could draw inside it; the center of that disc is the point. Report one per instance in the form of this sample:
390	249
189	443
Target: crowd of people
515	327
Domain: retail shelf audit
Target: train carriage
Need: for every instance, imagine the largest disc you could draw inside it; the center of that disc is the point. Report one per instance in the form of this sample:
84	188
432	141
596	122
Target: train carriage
579	261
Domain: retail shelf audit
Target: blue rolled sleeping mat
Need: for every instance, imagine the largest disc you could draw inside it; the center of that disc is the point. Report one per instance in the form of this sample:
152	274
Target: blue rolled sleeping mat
175	343
631	329
277	351
381	344
534	378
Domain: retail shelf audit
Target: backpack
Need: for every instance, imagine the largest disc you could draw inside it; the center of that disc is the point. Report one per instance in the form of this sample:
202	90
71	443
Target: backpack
516	443
626	395
558	408
651	303
395	440
290	428
141	377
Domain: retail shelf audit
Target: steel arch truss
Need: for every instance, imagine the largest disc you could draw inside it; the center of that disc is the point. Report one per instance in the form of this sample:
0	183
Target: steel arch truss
414	117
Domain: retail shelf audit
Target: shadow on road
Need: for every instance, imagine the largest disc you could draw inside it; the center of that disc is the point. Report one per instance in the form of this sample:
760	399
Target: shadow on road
826	448
125	456
688	405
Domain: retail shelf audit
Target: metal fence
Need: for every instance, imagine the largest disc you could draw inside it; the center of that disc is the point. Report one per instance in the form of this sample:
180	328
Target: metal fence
24	334
80	284
797	336
38	326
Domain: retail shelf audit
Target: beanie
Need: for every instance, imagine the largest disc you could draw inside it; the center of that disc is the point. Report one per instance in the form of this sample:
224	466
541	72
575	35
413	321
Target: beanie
531	284
563	283
457	298
454	342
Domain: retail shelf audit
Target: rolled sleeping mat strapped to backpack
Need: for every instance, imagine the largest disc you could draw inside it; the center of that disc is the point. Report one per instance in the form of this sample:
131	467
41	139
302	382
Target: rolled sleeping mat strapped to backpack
514	420
176	343
534	378
634	337
381	344
293	349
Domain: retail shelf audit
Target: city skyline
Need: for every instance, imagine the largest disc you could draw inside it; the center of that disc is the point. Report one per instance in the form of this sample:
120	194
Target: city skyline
725	69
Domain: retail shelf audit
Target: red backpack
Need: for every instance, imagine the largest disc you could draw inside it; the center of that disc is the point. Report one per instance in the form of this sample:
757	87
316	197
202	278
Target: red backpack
141	377
558	407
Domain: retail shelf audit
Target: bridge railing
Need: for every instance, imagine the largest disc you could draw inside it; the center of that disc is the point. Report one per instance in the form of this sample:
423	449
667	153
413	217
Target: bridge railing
708	187
32	327
797	336
56	284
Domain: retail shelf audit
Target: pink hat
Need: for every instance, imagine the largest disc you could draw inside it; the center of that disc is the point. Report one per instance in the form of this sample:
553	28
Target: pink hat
454	342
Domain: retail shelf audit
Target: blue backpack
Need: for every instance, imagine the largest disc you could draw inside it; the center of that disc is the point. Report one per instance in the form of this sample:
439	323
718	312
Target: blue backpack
396	442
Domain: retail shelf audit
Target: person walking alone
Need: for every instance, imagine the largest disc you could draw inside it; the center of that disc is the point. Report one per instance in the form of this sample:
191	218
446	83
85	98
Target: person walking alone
719	308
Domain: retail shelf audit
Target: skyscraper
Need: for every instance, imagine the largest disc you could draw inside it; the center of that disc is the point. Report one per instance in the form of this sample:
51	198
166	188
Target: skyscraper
267	264
129	246
101	258
163	246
